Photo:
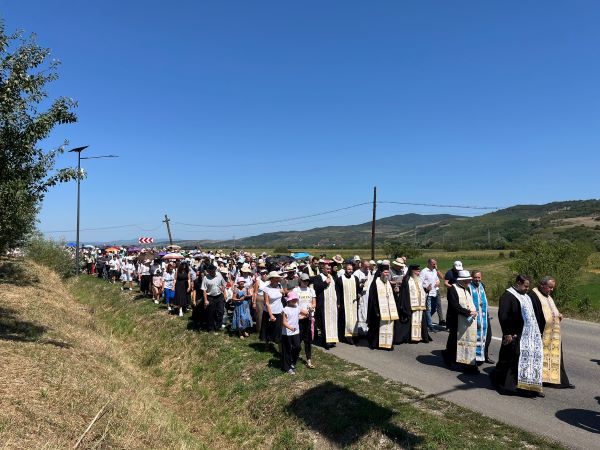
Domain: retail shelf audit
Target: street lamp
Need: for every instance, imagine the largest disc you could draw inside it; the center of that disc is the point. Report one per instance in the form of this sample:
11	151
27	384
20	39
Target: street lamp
78	150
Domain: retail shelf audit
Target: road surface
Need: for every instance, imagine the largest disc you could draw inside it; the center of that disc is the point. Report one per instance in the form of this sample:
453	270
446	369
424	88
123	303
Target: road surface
571	417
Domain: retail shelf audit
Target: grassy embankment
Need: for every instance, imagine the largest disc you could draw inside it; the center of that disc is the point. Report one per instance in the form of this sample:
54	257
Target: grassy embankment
69	351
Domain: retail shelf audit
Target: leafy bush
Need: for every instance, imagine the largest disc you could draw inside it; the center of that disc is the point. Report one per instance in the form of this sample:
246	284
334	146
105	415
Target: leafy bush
501	255
512	254
281	251
562	260
396	249
50	254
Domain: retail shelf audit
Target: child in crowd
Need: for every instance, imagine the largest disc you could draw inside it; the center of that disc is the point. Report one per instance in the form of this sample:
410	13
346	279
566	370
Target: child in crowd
157	285
290	333
241	308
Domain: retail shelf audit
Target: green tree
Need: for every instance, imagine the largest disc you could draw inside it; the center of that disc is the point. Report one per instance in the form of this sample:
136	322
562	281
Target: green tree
396	249
560	259
27	116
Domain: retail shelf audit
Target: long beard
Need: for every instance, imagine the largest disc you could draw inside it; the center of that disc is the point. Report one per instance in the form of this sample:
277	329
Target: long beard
384	278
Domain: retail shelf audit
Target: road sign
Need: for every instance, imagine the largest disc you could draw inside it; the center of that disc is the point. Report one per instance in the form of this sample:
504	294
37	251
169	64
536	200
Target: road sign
146	240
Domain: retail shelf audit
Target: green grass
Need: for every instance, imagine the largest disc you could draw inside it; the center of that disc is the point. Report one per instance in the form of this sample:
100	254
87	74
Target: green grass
231	393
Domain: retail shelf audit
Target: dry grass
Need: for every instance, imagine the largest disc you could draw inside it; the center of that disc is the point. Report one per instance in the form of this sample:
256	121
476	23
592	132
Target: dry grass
58	371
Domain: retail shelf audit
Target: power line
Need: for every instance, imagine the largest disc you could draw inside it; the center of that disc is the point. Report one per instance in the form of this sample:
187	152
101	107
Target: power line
273	221
442	206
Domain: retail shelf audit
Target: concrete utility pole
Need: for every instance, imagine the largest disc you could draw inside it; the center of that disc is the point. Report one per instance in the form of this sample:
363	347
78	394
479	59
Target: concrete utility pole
373	223
167	220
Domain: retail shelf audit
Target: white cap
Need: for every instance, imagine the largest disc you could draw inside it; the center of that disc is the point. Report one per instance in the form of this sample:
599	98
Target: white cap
458	265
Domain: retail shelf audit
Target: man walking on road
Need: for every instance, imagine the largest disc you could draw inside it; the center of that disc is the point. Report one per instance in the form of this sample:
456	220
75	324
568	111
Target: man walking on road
431	284
521	356
484	328
554	366
462	325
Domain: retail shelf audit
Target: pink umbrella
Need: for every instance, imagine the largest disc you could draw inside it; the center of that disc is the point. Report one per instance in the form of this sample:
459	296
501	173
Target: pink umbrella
173	256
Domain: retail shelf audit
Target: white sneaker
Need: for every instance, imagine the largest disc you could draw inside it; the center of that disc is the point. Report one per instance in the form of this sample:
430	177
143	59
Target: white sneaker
291	372
169	308
180	312
122	288
130	289
156	302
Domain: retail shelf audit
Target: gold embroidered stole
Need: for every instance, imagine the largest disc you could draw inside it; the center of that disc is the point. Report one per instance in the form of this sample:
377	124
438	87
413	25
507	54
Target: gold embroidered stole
331	317
388	313
417	305
466	332
350	306
551	339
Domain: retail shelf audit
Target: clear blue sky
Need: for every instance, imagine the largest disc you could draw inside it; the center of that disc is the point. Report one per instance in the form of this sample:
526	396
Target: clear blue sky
247	111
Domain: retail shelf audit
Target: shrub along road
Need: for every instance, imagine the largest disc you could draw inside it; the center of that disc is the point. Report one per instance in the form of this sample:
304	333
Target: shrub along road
571	417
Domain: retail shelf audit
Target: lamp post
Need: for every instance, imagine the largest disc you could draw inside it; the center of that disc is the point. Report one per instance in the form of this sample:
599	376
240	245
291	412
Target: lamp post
78	150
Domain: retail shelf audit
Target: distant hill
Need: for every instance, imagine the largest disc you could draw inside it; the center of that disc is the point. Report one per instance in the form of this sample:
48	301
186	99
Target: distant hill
388	228
577	220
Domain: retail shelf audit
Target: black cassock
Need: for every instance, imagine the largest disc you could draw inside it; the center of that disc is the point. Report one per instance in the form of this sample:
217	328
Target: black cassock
511	321
454	310
402	327
320	287
339	290
564	379
374	317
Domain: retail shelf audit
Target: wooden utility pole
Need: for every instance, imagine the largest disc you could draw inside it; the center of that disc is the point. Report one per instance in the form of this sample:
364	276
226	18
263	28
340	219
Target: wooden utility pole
373	223
167	220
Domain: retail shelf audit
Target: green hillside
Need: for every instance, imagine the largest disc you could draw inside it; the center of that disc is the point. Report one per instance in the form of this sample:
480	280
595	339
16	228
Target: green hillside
574	220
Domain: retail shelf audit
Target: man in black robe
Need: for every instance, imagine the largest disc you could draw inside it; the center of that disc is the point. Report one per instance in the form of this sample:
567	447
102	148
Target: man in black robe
460	287
348	277
379	329
403	327
321	283
511	321
542	294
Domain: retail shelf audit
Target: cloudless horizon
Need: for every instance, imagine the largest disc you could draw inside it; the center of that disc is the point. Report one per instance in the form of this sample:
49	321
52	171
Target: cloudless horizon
236	112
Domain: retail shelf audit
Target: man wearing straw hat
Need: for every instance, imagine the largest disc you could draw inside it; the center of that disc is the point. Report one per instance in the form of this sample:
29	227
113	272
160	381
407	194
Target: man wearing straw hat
461	346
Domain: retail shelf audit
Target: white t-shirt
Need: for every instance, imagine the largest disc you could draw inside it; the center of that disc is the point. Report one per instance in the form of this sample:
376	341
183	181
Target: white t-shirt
261	286
293	317
274	299
428	278
305	296
169	279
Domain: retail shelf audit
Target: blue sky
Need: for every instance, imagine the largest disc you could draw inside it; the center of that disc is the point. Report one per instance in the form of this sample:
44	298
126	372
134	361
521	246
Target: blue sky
231	112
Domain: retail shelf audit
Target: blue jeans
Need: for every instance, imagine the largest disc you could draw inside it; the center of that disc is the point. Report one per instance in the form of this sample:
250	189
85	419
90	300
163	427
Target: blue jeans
432	306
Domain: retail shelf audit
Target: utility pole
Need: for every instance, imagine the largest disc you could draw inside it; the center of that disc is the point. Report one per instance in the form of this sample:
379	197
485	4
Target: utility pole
373	223
167	220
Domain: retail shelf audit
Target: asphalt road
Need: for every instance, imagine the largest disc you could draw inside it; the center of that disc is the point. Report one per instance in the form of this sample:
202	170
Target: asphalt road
571	417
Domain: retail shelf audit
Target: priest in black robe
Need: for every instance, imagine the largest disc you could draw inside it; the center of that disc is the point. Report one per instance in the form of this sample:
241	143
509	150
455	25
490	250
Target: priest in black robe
403	327
347	276
511	321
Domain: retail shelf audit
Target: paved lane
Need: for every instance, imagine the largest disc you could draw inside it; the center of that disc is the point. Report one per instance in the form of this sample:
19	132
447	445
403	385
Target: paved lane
569	416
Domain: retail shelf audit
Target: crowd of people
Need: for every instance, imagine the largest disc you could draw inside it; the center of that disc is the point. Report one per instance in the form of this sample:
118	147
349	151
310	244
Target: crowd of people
294	302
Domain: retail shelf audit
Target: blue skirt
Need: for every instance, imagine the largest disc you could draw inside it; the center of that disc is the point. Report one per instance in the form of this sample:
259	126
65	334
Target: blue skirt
241	316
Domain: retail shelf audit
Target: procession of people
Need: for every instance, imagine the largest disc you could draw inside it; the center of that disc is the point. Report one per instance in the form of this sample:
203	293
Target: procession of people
297	301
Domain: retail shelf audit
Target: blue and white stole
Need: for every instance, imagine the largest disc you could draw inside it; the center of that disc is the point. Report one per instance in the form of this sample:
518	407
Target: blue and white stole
531	355
481	304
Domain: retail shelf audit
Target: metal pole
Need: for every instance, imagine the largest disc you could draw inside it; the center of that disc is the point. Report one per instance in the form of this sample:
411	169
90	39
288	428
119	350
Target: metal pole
77	267
373	223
